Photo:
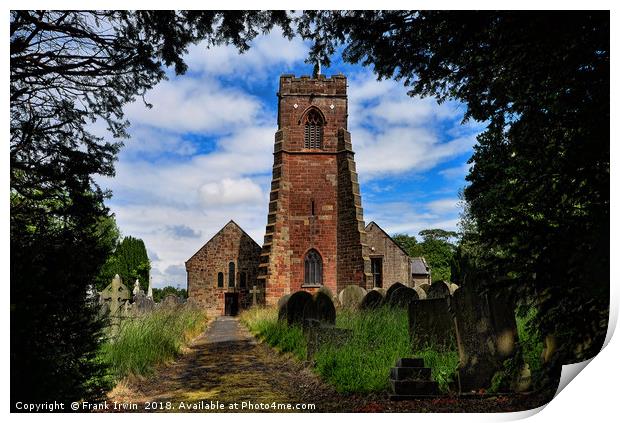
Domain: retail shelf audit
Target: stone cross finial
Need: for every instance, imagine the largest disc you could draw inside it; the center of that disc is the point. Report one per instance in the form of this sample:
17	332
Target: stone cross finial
254	291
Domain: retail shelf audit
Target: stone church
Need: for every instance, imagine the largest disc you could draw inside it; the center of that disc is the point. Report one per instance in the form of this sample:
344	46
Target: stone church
315	233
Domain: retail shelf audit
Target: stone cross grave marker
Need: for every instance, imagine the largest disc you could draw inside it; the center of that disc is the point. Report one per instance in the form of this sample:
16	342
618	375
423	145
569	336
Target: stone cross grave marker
116	293
254	291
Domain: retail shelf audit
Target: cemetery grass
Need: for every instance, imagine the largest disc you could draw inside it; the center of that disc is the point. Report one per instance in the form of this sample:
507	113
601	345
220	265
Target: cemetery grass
361	365
145	341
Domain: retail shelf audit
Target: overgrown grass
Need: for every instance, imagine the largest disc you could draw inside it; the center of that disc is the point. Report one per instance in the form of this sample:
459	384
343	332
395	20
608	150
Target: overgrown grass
143	342
362	364
263	322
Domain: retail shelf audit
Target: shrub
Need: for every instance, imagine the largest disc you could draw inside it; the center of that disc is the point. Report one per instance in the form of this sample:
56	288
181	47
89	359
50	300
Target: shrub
150	339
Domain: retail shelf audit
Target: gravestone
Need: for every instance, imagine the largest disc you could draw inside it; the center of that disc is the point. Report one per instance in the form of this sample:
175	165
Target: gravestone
402	296
425	287
438	289
393	288
381	291
136	287
283	299
453	288
255	291
282	307
351	296
295	307
149	293
327	292
142	303
486	333
115	295
421	293
373	299
431	323
318	334
171	301
321	309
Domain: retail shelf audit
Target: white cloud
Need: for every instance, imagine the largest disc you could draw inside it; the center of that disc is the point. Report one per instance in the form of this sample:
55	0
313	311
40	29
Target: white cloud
266	51
443	206
399	150
195	105
393	133
457	172
230	191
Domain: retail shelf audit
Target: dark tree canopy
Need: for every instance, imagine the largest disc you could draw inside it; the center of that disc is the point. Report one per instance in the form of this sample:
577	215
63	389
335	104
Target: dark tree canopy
69	69
538	190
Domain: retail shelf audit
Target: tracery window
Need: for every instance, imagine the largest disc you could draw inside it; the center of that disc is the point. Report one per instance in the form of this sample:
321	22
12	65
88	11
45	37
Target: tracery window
313	268
313	130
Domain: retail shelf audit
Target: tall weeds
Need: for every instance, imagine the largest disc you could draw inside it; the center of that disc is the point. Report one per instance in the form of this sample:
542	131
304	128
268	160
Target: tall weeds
144	341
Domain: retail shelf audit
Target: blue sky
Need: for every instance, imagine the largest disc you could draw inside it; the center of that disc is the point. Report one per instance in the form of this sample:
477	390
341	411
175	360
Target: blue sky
203	154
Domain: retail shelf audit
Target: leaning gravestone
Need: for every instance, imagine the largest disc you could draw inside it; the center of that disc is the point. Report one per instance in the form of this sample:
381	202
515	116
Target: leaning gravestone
392	288
401	297
438	289
295	307
373	299
351	296
430	323
486	333
320	309
421	293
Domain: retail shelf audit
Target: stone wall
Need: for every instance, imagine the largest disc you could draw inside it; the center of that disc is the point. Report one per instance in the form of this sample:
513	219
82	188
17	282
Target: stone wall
230	244
396	263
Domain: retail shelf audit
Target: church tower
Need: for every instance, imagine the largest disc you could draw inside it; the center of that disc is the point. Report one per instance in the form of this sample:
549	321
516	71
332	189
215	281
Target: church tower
315	232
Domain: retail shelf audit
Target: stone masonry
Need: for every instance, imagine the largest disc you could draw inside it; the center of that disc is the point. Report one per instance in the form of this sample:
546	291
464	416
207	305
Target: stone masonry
395	262
315	201
212	264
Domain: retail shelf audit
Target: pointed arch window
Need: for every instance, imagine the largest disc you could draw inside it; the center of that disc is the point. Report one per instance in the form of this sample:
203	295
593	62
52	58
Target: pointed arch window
231	274
313	268
313	130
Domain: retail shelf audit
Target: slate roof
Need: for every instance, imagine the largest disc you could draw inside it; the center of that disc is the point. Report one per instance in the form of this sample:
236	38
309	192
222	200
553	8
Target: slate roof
419	266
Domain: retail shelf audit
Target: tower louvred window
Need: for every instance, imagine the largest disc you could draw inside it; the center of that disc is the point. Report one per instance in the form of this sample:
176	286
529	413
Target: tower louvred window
313	130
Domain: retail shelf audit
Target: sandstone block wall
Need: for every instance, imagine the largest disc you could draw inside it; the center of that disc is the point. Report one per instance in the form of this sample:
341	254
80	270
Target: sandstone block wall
230	244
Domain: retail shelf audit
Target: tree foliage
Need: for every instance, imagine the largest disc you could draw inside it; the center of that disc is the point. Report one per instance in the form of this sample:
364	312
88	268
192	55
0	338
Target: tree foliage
435	247
130	261
538	190
161	293
69	69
